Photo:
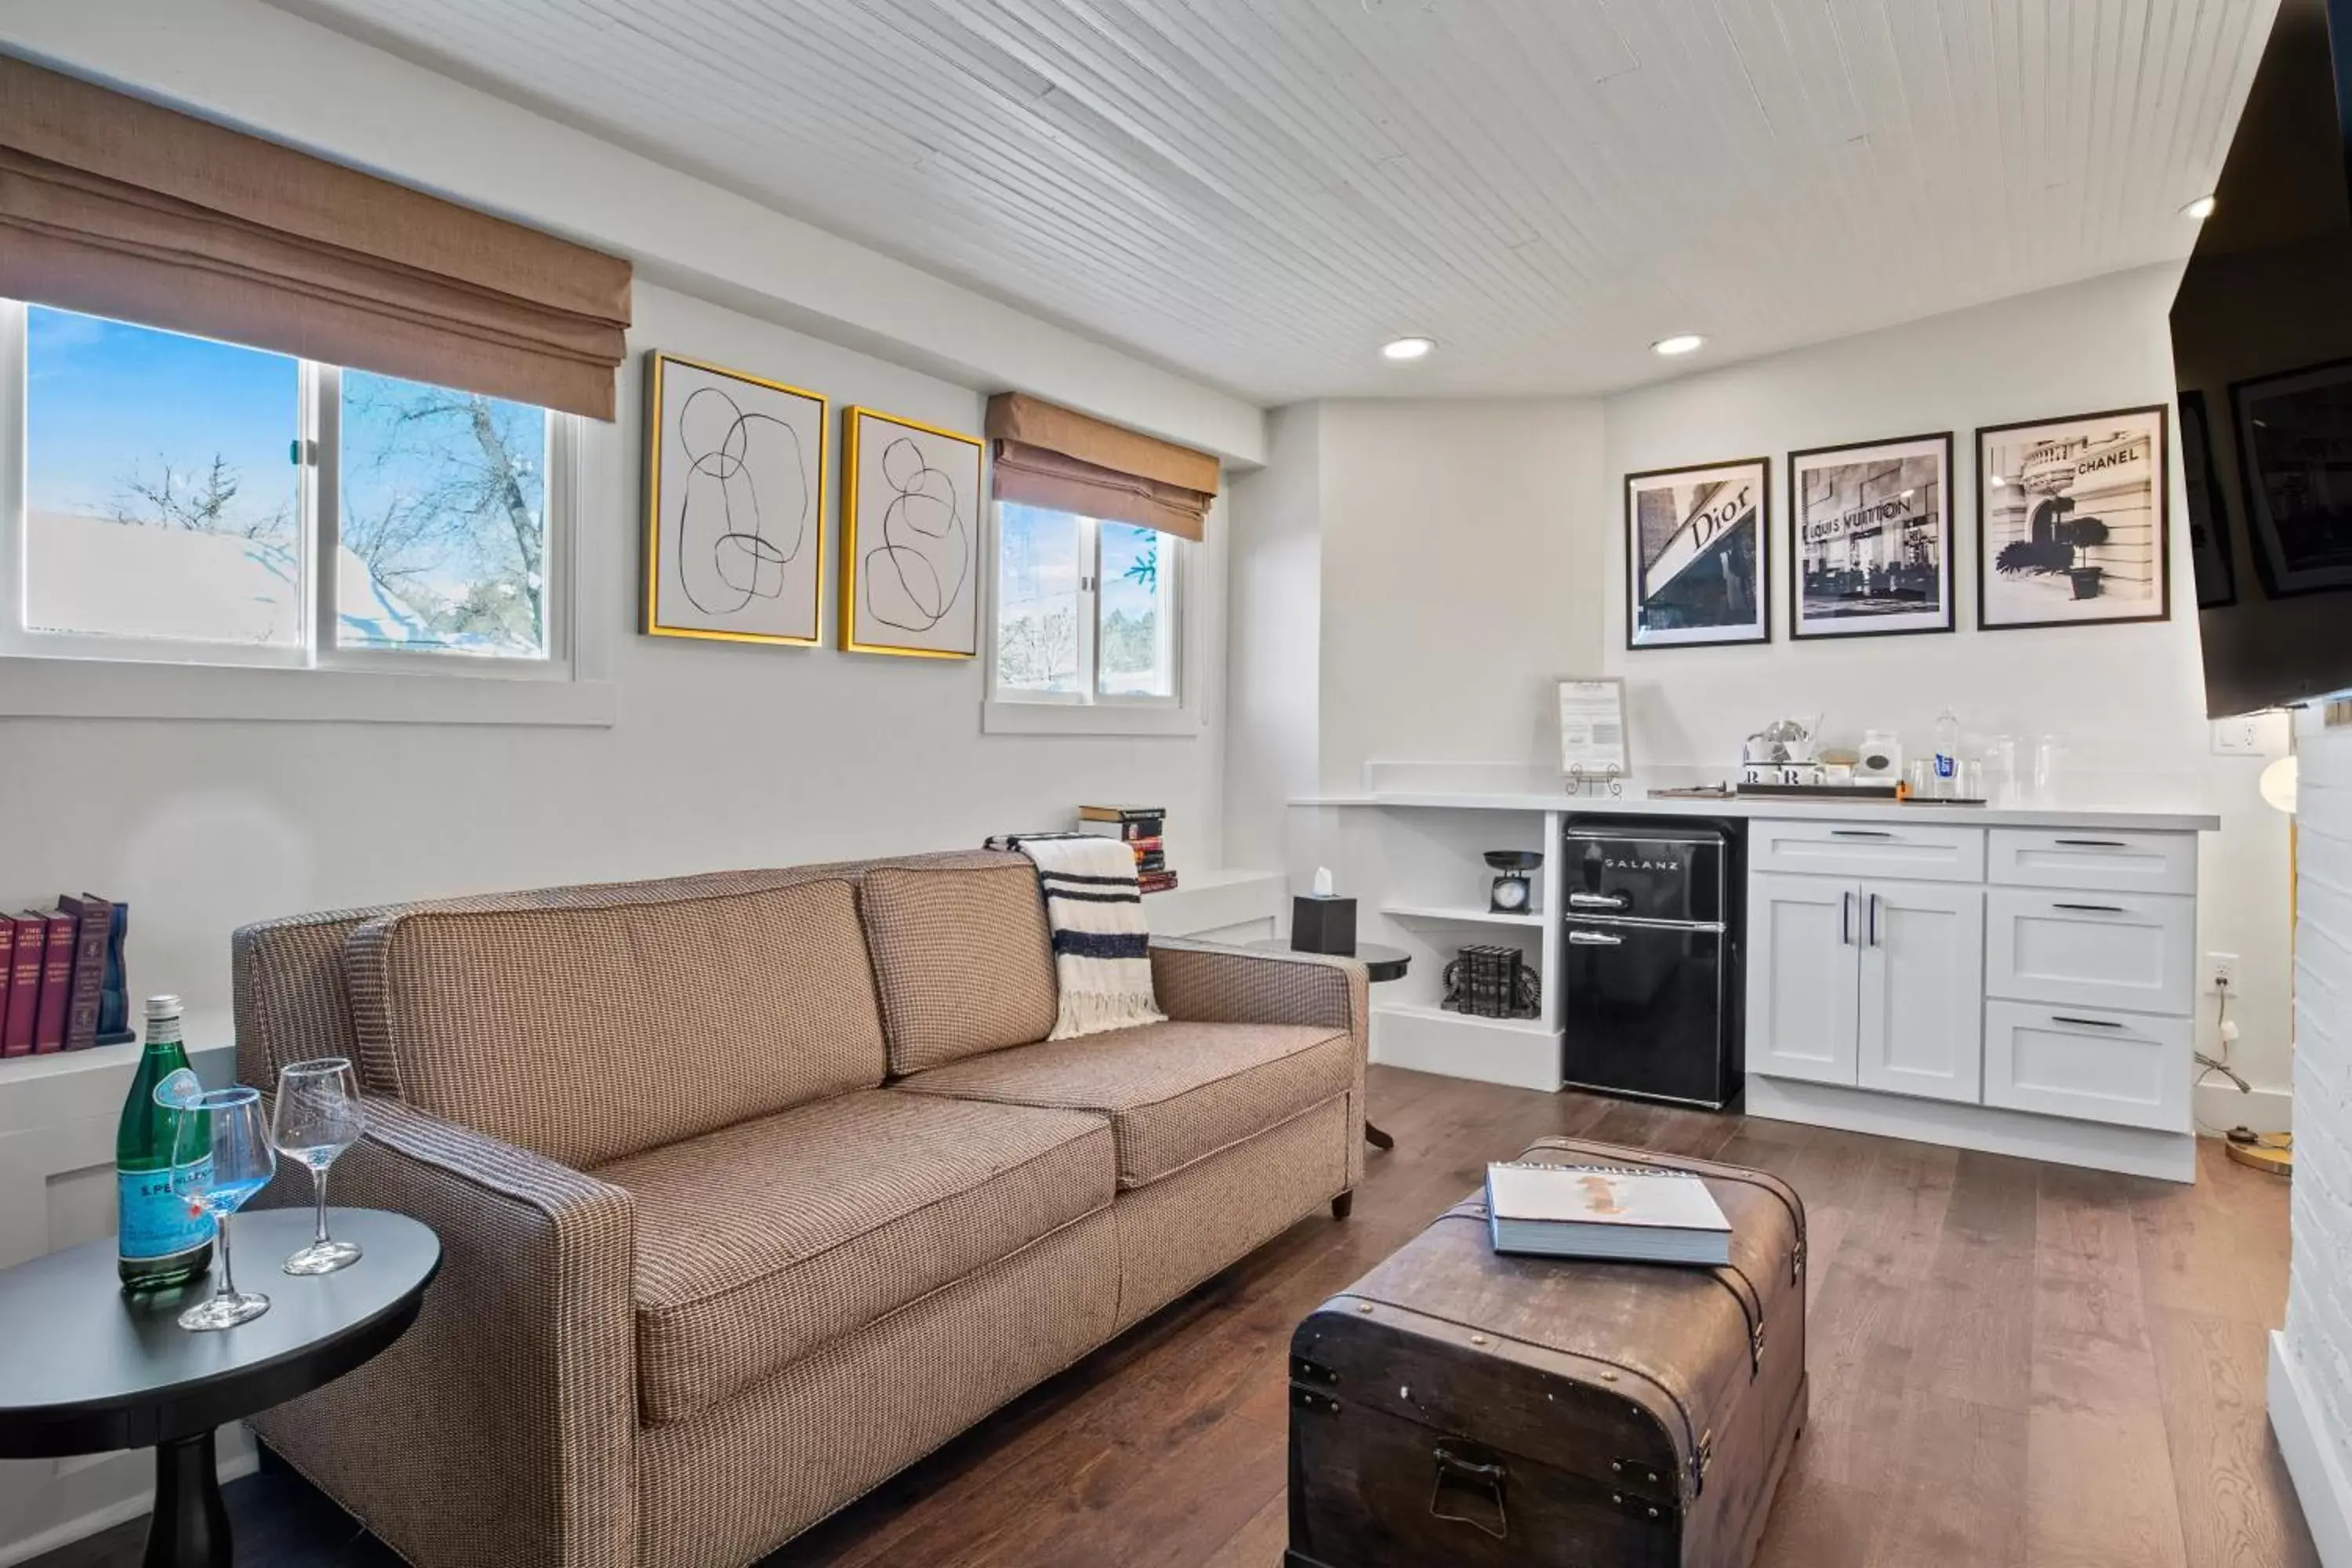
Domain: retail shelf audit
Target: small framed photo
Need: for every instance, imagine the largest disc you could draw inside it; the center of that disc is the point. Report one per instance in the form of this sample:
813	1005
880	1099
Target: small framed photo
909	538
1871	537
1695	555
2071	522
1593	735
2293	430
2209	516
734	505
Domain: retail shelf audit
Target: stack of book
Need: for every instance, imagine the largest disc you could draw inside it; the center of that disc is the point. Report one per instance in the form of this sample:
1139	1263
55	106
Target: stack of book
1142	827
61	986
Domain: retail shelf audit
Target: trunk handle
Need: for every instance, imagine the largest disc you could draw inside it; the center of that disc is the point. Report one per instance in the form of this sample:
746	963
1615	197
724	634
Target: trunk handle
1472	1471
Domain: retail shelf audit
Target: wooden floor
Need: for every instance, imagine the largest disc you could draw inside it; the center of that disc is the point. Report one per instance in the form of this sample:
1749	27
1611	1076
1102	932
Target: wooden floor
2013	1364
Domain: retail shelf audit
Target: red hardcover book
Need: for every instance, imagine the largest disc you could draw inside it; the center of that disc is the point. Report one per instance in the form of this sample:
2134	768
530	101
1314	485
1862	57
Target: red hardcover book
8	976
57	981
24	984
94	917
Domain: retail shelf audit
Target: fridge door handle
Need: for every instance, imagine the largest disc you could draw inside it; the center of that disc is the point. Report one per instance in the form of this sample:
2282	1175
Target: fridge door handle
1585	901
1593	939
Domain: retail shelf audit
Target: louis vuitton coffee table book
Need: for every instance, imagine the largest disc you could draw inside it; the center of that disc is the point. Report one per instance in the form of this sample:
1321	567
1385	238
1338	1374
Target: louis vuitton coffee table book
1605	1213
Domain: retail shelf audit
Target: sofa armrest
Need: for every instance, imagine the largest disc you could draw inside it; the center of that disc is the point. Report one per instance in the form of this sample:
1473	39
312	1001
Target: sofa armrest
500	1428
1209	983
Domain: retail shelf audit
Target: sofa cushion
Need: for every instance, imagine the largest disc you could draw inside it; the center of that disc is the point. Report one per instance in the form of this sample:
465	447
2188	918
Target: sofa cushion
962	960
596	1023
1175	1093
758	1243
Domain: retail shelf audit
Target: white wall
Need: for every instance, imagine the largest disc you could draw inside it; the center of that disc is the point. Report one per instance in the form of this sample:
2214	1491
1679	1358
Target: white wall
2128	699
723	755
1273	521
2311	1359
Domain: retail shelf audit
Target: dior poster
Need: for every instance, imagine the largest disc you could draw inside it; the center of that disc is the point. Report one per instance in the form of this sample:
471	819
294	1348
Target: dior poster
1695	555
1872	538
2071	526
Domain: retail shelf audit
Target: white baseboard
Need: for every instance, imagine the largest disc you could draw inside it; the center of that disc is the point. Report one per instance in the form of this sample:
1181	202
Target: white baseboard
2219	1104
1992	1129
237	1457
2312	1461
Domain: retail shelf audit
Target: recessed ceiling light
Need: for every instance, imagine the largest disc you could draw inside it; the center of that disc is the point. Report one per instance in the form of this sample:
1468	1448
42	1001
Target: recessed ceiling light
2199	210
1407	348
1680	344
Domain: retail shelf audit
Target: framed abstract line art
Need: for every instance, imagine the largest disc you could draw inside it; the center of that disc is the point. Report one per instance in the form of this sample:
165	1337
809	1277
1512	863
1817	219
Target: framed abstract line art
734	505
2071	521
909	538
1695	555
2292	432
1871	526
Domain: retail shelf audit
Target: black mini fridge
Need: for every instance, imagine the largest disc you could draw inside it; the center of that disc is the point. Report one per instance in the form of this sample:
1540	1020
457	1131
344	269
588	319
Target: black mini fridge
1651	985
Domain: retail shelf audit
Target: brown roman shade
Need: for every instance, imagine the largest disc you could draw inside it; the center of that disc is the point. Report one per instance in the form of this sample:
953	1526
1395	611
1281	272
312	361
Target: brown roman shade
118	207
1047	455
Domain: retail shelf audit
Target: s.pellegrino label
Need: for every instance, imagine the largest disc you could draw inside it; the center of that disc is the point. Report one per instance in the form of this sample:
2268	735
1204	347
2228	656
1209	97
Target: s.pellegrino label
163	1238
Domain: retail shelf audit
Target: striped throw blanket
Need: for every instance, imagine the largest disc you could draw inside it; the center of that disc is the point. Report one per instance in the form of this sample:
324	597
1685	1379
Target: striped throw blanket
1102	946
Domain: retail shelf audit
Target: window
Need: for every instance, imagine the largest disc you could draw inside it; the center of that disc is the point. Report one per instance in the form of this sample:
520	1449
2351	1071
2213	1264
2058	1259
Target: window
1085	610
191	502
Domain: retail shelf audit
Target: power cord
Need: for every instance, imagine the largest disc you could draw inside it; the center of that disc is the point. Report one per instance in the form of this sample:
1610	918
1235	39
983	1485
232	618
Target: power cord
2209	1066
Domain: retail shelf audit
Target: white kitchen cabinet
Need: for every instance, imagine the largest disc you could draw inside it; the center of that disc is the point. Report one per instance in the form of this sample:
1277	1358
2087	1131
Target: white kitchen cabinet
1922	989
2092	949
1803	977
1917	852
2092	1064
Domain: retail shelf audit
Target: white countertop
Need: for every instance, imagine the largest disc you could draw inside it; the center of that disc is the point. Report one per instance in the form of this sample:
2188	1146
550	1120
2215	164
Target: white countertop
1633	803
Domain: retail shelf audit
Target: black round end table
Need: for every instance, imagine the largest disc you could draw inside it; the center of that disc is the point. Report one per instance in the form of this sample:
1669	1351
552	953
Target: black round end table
85	1369
1381	963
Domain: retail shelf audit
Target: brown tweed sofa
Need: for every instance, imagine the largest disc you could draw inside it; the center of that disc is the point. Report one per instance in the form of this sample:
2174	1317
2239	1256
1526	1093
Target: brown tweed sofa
756	1186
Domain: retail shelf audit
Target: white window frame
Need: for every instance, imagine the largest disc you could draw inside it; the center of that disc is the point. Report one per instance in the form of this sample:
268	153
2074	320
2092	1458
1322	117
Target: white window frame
1087	712
77	675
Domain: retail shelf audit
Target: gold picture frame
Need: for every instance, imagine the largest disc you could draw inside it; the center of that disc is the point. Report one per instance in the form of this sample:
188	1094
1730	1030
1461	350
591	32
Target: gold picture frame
917	500
743	455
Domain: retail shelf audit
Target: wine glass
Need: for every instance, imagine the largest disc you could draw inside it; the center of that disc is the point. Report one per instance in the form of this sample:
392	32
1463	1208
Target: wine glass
316	1116
220	1157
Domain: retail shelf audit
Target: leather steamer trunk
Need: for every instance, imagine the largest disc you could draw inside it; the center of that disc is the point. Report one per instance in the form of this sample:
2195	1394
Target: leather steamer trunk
1462	1407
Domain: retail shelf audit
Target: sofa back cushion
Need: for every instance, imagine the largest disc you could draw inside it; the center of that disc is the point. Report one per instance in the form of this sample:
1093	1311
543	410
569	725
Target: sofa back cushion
962	959
593	1026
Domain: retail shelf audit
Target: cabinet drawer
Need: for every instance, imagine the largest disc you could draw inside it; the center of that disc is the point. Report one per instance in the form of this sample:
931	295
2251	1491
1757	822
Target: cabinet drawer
1924	852
2107	862
2092	950
2088	1063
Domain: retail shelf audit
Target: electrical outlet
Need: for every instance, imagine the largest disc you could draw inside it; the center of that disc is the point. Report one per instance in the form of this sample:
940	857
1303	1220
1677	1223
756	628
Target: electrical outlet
2220	969
2239	737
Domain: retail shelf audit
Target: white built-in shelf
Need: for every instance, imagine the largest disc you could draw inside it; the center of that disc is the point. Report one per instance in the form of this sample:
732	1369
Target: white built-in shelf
1420	1011
1463	914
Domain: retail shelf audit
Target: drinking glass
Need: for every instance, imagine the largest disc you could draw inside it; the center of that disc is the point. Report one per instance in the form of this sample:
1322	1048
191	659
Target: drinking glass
316	1116
220	1157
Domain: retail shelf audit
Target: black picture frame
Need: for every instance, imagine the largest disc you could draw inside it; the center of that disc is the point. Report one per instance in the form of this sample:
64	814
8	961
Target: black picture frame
1948	564
2278	580
2157	416
1729	470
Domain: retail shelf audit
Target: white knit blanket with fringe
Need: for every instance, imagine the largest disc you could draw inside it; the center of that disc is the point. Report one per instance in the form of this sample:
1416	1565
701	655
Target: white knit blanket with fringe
1101	945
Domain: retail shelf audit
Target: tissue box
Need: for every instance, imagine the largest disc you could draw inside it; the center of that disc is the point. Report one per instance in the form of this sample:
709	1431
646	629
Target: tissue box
1323	925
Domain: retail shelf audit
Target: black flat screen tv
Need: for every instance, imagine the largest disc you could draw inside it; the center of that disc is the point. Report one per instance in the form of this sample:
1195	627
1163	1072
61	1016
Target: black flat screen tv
2261	348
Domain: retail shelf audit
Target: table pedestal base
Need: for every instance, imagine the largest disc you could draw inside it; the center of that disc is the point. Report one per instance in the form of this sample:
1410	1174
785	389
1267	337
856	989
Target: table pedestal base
190	1526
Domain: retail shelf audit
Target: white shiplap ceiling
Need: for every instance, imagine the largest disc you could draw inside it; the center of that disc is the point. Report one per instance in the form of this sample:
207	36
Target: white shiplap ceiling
1259	192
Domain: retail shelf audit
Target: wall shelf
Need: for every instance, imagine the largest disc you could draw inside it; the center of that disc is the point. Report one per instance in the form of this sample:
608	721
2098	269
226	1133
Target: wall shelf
1423	1013
1464	914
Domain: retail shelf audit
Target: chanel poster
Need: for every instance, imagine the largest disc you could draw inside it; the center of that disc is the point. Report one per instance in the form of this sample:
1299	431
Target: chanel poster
1871	528
1695	555
2071	526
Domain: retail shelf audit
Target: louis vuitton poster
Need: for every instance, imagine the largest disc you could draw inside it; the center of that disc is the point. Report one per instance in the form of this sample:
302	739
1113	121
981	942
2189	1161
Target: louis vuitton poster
1872	535
1695	555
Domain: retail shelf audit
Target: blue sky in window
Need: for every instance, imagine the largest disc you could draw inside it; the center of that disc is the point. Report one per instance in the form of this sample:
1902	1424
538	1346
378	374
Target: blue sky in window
111	404
1124	588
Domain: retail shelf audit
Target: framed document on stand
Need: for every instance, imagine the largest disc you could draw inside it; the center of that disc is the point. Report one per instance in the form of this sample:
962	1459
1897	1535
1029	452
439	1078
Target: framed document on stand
1593	743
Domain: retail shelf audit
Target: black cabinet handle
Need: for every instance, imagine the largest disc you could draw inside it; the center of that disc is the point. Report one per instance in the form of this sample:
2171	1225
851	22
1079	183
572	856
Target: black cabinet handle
1845	920
1873	920
2086	1023
1859	832
2092	843
2093	909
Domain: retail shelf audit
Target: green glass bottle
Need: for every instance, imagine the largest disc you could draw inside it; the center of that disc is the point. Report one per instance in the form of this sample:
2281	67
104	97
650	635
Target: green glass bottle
162	1240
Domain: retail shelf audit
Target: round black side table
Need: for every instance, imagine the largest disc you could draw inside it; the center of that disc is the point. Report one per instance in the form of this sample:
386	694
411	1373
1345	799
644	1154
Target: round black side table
1381	962
85	1369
